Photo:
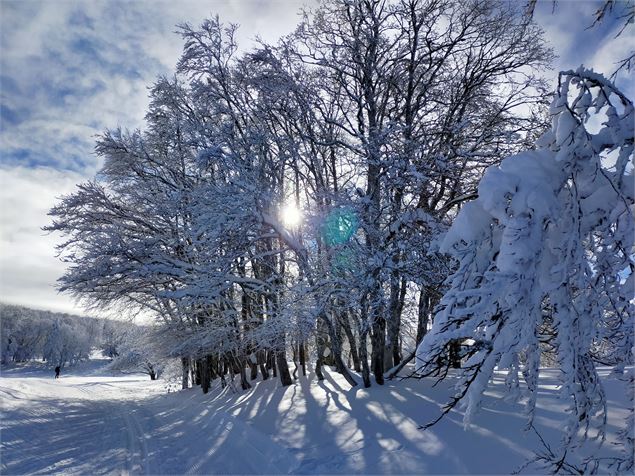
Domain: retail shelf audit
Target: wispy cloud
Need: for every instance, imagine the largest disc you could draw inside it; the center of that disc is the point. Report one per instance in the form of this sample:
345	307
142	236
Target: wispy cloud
577	41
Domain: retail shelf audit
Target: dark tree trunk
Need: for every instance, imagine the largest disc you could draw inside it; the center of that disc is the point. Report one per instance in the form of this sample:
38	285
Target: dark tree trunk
392	355
378	341
283	367
185	378
346	325
425	307
244	383
204	370
363	356
198	377
391	324
271	362
423	318
236	363
246	314
295	361
362	330
455	359
318	368
396	342
262	356
320	342
223	372
337	352
212	365
303	359
336	338
253	368
320	357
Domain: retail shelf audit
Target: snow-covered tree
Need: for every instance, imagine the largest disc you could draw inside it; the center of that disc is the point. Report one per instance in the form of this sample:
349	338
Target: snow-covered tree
411	101
548	240
57	338
138	352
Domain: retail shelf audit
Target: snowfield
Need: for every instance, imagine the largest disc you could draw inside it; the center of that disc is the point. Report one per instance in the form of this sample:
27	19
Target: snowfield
91	422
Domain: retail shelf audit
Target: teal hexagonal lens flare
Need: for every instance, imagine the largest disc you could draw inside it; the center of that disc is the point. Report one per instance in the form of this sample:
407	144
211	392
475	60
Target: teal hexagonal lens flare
339	226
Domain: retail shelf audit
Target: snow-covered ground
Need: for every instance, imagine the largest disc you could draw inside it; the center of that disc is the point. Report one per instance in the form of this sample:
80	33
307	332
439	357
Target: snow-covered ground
91	422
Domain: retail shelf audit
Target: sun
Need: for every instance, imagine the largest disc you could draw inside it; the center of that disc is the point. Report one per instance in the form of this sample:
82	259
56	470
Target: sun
291	215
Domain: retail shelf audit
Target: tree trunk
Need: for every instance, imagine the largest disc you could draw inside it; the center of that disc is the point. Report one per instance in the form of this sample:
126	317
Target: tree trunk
318	368
378	340
185	378
378	334
394	372
197	369
236	363
396	344
212	363
244	383
363	355
303	359
283	366
262	357
455	359
337	352
193	372
425	306
362	330
271	362
296	352
423	311
346	325
253	368
223	372
392	355
204	371
321	347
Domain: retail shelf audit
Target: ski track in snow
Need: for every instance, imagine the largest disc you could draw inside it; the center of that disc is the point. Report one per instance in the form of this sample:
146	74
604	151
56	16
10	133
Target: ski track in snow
96	425
74	424
90	422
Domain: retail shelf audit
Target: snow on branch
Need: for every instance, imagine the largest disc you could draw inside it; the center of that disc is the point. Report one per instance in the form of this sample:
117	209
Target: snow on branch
547	245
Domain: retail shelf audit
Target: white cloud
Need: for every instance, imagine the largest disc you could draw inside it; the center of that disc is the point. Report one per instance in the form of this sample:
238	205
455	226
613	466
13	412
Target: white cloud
568	27
81	67
610	52
28	267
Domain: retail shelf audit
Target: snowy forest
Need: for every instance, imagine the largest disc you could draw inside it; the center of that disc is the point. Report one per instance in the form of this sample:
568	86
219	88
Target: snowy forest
61	340
56	338
392	192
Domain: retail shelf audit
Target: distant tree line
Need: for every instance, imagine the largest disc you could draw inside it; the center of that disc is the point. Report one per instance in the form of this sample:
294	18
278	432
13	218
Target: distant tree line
56	338
60	339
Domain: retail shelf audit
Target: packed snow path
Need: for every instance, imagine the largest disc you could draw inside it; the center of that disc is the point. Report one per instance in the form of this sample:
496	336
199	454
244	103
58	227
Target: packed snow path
74	424
90	422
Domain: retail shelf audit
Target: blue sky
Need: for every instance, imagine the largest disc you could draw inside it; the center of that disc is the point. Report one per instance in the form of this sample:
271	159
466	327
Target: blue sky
70	69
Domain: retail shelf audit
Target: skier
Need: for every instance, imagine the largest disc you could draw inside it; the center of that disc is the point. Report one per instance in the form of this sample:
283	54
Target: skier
57	372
